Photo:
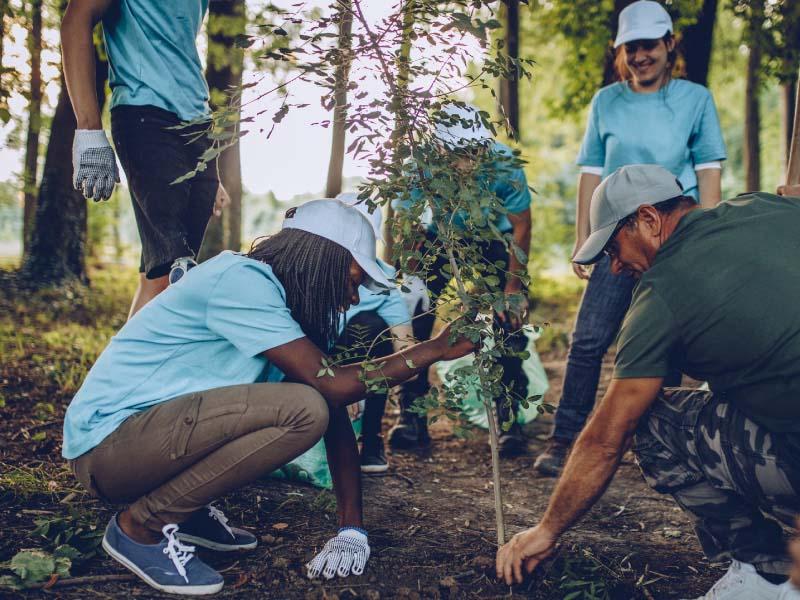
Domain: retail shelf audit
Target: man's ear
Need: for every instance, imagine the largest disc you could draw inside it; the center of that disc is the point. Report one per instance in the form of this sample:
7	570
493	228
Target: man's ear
650	218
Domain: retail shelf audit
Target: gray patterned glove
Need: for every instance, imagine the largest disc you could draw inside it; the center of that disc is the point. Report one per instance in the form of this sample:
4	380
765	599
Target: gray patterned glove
94	166
347	553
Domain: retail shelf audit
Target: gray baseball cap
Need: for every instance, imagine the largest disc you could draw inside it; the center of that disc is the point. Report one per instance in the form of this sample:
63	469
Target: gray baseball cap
619	195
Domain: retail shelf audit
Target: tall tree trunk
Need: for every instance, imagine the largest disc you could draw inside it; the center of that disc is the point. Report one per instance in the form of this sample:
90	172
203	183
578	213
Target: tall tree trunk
57	250
752	117
34	121
696	43
509	86
333	185
3	89
224	66
789	101
401	118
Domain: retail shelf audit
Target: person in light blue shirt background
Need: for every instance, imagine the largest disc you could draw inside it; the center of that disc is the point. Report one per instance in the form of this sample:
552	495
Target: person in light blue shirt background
157	86
647	117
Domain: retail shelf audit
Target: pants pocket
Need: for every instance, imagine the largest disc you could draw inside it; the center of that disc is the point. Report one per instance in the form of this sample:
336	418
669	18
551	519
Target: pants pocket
209	420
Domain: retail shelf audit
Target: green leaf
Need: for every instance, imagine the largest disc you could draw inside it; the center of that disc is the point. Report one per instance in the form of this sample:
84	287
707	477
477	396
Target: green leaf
410	363
32	566
321	372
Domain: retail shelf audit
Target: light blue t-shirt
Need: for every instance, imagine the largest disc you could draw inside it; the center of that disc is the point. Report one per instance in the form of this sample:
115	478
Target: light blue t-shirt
153	56
508	184
676	127
390	306
207	331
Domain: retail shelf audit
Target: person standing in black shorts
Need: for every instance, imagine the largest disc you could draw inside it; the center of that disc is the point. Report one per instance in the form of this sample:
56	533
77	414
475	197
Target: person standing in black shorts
157	83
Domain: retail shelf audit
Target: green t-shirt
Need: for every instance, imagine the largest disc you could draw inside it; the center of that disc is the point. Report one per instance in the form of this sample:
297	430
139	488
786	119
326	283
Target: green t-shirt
722	302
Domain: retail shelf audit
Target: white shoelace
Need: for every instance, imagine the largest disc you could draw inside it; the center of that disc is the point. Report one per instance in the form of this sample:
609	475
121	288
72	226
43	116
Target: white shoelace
217	514
178	553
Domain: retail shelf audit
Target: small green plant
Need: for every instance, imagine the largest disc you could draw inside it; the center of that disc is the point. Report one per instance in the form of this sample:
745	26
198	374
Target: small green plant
29	568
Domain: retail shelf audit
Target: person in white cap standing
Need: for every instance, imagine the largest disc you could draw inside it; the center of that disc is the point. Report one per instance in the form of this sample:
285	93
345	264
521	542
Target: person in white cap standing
507	182
183	406
717	294
646	117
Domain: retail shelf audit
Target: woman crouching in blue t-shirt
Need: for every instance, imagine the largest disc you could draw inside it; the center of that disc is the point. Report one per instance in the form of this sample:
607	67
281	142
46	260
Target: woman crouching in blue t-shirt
183	406
645	118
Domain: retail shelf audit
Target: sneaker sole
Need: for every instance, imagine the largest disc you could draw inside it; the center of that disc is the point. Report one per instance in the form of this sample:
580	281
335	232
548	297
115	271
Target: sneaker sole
184	590
198	541
374	469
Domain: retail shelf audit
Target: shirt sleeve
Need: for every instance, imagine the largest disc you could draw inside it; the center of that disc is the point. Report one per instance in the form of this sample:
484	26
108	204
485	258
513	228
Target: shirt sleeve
516	195
249	309
706	143
593	151
393	309
647	337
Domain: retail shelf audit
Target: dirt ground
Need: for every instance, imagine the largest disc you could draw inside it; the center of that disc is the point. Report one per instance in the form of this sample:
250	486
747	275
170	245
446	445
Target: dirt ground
430	520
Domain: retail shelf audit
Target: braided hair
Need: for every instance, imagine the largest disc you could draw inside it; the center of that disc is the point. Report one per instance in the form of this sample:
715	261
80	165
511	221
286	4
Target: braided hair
314	272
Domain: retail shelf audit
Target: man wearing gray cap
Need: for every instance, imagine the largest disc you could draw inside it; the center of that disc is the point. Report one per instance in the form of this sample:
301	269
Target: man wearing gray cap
717	296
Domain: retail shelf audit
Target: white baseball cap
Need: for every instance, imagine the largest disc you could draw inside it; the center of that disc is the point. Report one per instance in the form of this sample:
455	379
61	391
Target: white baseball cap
451	129
620	195
375	217
343	225
642	20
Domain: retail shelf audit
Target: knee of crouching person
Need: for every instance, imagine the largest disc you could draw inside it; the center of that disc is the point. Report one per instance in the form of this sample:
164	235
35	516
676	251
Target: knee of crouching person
315	409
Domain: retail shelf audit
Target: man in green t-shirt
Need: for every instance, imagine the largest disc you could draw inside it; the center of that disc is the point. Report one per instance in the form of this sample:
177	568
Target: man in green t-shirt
717	296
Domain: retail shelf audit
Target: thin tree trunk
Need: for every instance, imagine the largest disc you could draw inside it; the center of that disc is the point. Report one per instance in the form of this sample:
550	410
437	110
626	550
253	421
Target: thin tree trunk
401	116
789	101
697	42
333	184
57	250
34	121
752	117
225	63
509	86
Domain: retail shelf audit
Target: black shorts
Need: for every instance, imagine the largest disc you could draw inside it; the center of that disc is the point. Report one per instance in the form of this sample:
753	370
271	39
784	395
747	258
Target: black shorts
171	218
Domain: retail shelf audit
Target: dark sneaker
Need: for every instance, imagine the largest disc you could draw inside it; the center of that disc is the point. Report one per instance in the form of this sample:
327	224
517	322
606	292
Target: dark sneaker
180	267
168	566
410	433
373	456
551	461
209	528
512	442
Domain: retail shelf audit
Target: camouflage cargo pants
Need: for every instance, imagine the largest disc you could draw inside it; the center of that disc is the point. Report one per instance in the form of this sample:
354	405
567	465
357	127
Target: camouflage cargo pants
735	479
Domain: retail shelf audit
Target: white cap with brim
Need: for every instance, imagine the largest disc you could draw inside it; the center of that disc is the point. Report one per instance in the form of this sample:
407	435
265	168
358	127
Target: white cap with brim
343	225
642	20
375	217
451	130
620	195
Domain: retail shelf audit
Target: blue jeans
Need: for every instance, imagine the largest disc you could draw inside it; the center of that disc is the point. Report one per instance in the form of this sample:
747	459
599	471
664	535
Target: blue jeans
603	307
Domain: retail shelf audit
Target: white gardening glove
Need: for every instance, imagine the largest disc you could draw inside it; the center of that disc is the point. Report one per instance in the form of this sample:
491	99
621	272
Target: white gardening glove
94	166
417	292
347	553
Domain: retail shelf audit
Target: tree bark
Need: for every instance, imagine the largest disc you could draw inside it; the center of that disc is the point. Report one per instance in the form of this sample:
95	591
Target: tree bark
509	86
224	66
57	251
789	102
401	118
752	116
30	171
333	185
697	41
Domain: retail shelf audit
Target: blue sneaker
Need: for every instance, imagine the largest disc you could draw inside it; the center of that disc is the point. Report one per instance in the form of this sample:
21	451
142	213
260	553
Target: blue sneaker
209	528
168	566
180	267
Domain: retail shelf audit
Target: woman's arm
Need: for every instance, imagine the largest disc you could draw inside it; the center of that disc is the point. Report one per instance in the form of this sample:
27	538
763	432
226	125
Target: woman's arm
302	361
710	187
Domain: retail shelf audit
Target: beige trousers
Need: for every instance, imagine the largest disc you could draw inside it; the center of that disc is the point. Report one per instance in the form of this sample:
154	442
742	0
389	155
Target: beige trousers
174	458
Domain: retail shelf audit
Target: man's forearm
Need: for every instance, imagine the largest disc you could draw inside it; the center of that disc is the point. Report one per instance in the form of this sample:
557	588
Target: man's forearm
78	57
343	461
588	471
